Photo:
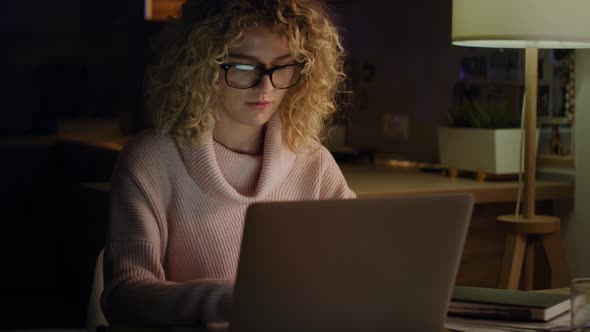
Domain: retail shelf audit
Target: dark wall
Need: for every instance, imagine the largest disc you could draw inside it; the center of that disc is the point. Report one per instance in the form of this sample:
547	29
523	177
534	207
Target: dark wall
60	60
409	45
68	59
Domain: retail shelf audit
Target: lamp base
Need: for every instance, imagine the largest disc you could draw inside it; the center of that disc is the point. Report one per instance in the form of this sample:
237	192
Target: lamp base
519	250
535	225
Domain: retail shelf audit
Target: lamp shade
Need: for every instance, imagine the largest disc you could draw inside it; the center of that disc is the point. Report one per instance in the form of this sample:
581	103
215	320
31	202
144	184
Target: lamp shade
521	23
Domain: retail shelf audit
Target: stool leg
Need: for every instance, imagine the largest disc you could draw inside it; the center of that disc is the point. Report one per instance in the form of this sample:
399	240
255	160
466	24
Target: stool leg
529	265
560	275
512	261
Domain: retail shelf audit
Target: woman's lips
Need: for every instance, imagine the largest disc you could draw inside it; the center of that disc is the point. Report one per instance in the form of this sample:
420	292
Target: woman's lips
259	104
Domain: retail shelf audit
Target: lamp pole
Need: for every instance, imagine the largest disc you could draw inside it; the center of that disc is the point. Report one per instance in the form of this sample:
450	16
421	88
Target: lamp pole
530	130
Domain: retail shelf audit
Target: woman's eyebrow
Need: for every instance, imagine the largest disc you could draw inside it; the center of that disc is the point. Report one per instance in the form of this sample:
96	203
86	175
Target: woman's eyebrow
253	58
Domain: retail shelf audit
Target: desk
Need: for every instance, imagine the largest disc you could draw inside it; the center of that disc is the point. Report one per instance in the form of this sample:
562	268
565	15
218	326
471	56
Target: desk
189	329
483	250
96	132
367	182
484	247
380	181
174	329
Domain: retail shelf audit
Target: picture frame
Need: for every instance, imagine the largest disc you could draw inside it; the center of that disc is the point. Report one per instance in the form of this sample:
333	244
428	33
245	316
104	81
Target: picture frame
561	76
556	143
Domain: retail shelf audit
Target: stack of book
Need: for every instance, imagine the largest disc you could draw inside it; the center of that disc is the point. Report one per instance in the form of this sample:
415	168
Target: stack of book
507	310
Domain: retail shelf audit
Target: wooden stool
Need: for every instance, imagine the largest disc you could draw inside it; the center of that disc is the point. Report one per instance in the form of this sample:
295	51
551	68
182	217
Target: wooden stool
519	241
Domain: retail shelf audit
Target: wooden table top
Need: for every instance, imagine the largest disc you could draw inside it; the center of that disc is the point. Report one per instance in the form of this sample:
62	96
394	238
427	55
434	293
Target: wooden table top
365	180
369	181
381	181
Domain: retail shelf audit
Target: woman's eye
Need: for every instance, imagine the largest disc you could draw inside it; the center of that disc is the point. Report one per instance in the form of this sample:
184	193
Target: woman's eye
245	67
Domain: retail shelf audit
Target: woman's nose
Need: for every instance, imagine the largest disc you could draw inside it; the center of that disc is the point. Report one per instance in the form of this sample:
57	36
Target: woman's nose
264	84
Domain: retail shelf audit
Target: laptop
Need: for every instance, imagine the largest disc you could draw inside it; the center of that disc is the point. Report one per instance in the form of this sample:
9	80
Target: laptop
386	264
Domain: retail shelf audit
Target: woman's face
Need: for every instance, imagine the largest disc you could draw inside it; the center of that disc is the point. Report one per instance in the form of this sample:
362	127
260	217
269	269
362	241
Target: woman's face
254	106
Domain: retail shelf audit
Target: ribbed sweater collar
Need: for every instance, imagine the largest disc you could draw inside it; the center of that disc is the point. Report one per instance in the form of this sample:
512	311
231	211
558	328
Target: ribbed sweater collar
277	161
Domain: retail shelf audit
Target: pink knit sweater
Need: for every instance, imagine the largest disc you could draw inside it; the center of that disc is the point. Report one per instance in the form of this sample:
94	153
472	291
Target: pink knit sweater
177	213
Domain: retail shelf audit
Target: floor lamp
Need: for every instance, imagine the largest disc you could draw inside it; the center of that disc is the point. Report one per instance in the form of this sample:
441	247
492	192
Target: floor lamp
528	24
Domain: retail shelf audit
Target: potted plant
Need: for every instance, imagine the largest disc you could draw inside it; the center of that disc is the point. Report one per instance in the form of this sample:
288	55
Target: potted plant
482	136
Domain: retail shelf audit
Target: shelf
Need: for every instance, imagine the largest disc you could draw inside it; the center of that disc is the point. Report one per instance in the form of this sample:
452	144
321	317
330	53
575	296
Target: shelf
504	82
488	81
556	161
554	120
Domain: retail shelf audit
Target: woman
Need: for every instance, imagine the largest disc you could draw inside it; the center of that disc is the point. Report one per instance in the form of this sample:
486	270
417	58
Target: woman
239	97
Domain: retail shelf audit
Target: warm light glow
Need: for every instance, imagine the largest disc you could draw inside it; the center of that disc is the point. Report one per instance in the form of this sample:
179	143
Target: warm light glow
161	10
147	9
521	23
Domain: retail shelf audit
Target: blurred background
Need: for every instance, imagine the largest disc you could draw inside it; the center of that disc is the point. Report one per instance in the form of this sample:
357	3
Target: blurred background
71	89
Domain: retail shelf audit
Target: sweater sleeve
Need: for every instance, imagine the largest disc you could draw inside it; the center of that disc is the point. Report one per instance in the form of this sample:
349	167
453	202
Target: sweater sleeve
332	183
136	290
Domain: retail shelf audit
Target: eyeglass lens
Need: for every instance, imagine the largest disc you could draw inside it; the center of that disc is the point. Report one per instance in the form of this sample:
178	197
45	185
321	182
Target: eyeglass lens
245	76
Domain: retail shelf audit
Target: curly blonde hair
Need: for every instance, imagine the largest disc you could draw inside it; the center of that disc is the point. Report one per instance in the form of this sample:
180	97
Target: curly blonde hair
181	94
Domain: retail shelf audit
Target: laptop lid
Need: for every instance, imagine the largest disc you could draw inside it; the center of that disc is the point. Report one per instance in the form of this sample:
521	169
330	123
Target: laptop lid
386	264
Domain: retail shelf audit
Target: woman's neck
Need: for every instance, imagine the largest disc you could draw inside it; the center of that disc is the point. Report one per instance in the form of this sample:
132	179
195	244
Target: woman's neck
240	138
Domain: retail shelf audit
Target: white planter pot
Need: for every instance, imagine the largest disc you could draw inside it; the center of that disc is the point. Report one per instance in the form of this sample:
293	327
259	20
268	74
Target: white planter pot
494	151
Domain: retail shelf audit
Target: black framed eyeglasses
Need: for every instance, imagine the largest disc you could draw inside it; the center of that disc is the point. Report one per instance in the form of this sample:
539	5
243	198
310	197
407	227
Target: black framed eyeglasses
245	76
